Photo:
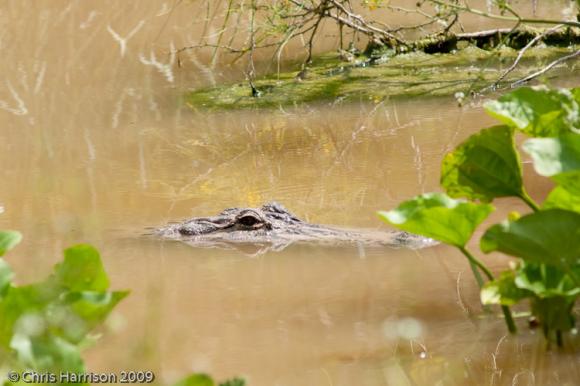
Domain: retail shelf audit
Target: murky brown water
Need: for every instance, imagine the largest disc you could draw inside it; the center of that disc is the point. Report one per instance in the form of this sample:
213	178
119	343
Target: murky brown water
94	147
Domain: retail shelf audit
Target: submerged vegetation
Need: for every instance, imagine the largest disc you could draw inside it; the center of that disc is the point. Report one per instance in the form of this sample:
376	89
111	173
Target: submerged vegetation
487	166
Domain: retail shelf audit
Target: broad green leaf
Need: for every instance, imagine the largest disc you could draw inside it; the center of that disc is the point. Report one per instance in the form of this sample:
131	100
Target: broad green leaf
576	91
438	216
45	324
82	270
553	156
547	281
484	167
196	380
8	239
549	237
537	111
569	180
92	308
562	198
503	290
6	276
17	302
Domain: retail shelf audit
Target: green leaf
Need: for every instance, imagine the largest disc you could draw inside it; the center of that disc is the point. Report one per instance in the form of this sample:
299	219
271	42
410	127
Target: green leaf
562	198
576	91
233	382
196	380
537	111
8	239
550	237
503	290
6	276
569	180
47	352
484	167
82	270
92	308
547	281
45	324
553	156
438	216
16	302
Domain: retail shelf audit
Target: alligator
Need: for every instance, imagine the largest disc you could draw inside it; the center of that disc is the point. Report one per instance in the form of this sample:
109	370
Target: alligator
273	227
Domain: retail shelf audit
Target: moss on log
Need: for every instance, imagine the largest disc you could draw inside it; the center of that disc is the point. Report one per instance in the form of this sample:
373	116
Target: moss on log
489	39
400	76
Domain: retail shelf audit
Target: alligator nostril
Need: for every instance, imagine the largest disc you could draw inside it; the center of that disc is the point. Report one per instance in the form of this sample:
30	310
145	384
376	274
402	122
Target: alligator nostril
186	231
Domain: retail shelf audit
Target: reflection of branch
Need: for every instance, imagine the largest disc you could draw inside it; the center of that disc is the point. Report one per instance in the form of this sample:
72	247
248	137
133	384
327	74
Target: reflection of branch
21	106
164	68
545	69
123	41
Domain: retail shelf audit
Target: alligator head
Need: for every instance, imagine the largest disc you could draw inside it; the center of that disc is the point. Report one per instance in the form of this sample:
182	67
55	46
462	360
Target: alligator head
273	227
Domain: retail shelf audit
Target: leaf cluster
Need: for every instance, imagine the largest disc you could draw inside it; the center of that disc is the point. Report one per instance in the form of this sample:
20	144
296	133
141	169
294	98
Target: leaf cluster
487	166
205	380
44	326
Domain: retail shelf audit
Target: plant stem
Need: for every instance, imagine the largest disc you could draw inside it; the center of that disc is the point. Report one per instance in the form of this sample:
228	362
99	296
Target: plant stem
529	201
476	274
509	320
476	263
559	339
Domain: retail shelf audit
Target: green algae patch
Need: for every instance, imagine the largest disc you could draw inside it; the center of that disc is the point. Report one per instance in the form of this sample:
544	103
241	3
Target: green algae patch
401	76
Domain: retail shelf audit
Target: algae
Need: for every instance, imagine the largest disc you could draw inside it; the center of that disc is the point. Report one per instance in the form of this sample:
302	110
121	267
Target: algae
466	70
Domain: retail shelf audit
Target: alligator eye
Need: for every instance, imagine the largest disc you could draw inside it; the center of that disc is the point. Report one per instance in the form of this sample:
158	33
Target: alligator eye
248	220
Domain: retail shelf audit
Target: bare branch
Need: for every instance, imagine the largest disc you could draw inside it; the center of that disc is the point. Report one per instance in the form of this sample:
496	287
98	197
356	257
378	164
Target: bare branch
545	69
520	56
501	17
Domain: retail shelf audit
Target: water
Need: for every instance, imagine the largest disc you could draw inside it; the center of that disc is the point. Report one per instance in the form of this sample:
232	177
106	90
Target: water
95	146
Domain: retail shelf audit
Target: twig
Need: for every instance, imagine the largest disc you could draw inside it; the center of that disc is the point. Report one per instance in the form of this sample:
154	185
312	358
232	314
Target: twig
545	69
321	10
251	71
520	56
362	22
506	18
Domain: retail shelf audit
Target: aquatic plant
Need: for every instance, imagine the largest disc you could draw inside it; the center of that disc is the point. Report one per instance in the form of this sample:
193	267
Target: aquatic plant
206	380
45	325
546	241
